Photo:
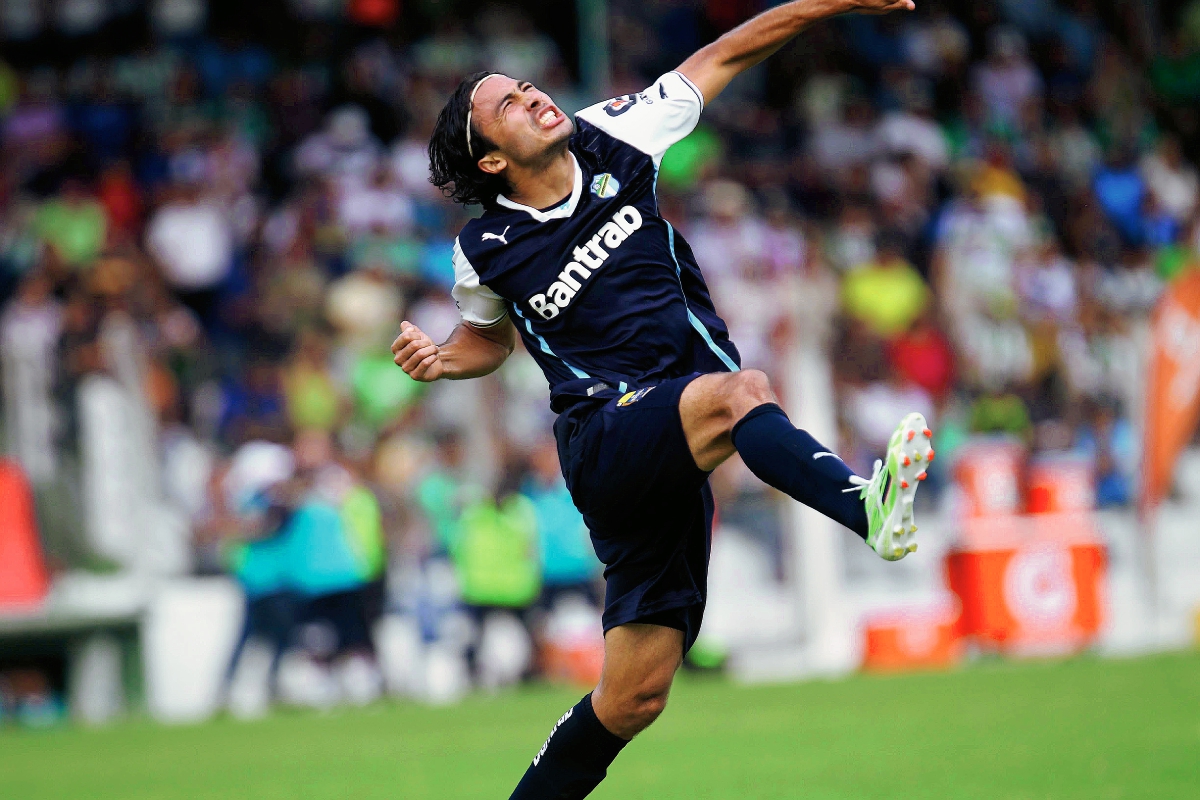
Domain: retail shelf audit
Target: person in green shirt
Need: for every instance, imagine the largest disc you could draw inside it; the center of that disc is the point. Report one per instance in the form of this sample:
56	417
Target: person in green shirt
381	392
74	226
496	556
1000	412
362	522
886	294
441	493
1179	257
314	399
496	561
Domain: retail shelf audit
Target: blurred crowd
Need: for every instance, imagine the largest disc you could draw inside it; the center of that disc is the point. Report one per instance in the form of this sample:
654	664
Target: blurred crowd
212	223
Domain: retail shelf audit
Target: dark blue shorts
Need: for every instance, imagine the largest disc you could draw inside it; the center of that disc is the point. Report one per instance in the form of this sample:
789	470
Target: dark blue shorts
647	505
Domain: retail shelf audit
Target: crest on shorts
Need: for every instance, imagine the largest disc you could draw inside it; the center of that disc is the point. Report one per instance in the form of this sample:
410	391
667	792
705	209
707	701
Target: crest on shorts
605	186
629	398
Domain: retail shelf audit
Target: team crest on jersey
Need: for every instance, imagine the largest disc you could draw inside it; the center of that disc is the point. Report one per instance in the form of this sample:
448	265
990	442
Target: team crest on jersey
605	186
629	398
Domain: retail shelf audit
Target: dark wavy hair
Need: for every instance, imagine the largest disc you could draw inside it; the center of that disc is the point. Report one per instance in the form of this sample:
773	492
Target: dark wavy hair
452	168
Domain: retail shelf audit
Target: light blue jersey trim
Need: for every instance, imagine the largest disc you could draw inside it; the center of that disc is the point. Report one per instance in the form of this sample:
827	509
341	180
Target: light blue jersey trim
546	347
692	318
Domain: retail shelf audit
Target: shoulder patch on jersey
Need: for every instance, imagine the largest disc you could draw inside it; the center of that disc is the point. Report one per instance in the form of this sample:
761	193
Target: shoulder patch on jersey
605	186
619	105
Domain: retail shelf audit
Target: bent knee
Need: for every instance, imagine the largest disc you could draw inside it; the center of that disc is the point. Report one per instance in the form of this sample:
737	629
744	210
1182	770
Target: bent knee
643	708
747	389
753	383
629	710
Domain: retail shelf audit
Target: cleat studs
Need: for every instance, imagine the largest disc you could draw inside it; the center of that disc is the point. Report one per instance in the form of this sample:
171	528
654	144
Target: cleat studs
916	456
911	434
922	476
899	529
907	461
912	548
928	433
929	456
903	484
898	553
913	529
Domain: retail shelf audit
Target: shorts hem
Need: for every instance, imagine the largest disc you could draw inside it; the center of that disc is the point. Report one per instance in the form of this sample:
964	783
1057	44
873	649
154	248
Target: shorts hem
681	616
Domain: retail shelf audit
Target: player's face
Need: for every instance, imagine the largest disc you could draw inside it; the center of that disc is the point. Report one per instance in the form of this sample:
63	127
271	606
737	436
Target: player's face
522	121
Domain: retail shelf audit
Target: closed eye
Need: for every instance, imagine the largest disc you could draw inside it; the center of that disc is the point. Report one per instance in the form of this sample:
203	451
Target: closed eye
524	86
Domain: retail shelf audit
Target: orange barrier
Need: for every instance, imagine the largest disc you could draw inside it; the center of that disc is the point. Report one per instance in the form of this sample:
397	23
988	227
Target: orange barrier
576	662
919	638
1060	484
24	580
1029	582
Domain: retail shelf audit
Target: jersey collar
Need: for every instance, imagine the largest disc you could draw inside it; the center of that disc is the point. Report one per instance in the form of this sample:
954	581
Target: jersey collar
561	212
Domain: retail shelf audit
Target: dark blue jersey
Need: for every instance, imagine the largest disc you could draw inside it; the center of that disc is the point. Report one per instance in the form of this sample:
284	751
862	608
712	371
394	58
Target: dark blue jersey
601	288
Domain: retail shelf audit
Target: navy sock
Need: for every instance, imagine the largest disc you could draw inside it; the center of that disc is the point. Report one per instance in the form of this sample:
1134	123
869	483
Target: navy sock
573	760
782	456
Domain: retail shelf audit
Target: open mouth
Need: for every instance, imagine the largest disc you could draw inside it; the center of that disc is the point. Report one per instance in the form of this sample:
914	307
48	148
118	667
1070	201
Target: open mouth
549	118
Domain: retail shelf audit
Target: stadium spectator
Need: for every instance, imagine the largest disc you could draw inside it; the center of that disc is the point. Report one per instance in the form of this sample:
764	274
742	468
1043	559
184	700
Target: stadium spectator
568	564
73	226
886	294
442	493
192	241
1007	80
1171	181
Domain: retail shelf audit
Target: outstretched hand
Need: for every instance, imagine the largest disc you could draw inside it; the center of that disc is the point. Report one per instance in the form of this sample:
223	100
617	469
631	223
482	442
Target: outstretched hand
415	353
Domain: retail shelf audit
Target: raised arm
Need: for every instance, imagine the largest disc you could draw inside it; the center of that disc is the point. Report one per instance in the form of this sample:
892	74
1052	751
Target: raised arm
713	66
470	352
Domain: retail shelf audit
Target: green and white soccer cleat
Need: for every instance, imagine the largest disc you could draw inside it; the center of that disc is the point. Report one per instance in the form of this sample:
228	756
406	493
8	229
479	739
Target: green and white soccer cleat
890	492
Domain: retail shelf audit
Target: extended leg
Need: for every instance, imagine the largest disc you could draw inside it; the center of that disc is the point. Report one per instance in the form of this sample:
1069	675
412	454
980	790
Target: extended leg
639	665
727	412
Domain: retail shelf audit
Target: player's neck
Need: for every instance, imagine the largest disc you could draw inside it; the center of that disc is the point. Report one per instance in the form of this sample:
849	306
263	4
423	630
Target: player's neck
544	184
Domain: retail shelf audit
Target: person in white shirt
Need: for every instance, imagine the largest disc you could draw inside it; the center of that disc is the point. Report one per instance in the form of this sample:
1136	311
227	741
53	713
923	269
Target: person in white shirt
191	239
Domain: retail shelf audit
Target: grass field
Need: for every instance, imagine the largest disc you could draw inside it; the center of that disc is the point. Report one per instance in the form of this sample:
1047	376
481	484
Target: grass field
1078	729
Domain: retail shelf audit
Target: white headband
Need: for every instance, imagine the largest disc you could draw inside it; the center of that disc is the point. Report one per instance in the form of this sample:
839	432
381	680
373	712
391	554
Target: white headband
471	107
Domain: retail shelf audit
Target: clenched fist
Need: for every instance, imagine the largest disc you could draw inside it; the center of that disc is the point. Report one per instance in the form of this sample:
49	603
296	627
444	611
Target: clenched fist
416	354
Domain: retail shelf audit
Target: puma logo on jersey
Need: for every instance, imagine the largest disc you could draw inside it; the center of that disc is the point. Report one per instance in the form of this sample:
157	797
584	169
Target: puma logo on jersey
497	236
588	258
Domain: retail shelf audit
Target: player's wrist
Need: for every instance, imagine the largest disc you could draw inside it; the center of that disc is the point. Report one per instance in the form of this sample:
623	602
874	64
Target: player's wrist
834	7
443	368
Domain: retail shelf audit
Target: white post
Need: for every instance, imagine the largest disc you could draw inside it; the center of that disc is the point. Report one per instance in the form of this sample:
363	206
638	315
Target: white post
816	554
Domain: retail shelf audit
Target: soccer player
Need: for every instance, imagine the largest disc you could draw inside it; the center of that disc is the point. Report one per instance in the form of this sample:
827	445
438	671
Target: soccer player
571	253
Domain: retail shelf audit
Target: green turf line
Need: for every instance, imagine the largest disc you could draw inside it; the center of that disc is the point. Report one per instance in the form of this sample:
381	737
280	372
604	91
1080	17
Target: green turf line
1078	729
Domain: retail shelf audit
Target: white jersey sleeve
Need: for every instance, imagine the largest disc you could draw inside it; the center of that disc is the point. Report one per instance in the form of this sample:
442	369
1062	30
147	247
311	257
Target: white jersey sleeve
478	304
651	120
